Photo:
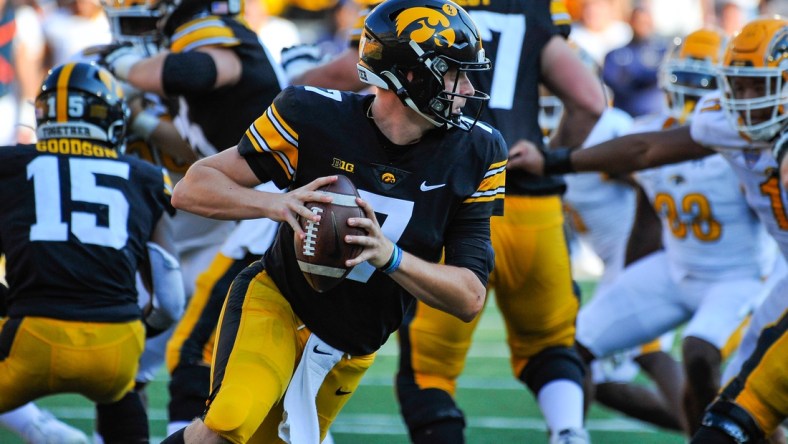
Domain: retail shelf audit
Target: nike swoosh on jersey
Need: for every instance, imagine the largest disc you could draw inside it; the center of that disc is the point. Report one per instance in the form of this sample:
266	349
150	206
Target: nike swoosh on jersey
425	187
341	392
320	352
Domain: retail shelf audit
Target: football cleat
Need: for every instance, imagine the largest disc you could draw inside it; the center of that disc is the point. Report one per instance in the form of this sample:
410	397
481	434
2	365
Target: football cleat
570	436
46	429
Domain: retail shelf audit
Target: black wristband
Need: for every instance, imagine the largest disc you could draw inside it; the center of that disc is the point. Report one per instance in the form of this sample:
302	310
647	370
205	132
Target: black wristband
732	420
558	161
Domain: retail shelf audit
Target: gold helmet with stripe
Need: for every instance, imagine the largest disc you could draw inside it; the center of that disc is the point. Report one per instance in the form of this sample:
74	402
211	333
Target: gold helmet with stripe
81	101
689	70
754	78
408	46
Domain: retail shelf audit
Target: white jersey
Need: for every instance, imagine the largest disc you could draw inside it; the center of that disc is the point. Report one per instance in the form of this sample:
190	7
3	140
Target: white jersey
752	162
708	229
602	210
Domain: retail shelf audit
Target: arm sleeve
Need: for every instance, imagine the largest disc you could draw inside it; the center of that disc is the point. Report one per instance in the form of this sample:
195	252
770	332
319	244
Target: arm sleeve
468	245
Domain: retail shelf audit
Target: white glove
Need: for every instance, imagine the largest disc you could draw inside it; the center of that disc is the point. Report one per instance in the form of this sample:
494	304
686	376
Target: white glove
300	58
120	61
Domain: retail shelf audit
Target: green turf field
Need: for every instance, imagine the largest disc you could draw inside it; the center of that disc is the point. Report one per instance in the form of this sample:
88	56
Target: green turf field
499	409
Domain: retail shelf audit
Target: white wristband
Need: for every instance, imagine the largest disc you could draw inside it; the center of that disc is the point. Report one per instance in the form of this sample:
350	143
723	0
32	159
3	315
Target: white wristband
144	124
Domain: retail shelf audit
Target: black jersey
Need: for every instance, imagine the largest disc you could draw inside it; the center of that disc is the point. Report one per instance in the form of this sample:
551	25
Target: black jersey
214	120
421	194
513	32
74	220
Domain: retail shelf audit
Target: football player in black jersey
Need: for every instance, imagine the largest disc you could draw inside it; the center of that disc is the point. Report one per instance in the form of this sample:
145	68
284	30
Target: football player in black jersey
78	218
751	407
223	79
434	178
532	280
532	276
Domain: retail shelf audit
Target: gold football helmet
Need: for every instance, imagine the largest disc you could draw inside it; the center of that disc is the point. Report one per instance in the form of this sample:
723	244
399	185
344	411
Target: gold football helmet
754	77
688	71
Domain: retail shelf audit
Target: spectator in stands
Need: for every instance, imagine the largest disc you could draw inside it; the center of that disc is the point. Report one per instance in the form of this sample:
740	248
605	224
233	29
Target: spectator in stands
631	71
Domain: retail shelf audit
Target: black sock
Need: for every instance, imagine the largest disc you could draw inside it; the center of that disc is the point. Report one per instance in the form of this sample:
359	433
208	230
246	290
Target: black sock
444	432
124	421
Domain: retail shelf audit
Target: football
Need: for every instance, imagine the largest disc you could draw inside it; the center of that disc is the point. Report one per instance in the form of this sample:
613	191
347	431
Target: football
322	253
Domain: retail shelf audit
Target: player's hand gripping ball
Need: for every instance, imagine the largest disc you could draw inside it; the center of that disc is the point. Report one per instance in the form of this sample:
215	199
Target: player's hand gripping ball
322	253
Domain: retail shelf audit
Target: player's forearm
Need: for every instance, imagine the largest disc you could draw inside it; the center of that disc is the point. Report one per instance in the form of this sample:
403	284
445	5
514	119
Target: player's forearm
575	127
629	153
455	290
146	74
210	193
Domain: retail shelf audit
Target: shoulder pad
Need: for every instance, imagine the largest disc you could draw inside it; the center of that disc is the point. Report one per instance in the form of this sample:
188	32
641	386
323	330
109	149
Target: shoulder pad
205	31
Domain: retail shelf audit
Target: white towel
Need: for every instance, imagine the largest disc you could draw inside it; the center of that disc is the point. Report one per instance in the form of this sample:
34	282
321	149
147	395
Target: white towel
299	423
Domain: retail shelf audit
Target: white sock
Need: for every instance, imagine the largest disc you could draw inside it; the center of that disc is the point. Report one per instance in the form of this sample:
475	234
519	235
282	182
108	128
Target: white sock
173	427
17	419
561	402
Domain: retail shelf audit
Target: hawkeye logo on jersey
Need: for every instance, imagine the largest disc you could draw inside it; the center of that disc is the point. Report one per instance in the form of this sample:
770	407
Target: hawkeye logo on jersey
389	177
342	165
422	24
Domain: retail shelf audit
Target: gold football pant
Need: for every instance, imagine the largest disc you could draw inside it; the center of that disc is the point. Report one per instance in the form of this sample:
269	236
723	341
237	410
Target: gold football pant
190	348
761	387
44	356
534	291
259	343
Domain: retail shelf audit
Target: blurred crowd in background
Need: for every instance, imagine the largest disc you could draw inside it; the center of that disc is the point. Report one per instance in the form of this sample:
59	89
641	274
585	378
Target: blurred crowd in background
626	39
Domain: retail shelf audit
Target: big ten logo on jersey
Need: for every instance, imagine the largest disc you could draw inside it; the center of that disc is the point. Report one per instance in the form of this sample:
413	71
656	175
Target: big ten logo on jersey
342	165
75	147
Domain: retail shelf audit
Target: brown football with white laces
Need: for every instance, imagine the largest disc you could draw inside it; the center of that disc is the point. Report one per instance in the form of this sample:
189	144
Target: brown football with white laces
322	253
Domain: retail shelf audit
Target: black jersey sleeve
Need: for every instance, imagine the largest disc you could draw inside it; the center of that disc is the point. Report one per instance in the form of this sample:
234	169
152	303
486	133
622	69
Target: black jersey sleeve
468	245
487	200
270	145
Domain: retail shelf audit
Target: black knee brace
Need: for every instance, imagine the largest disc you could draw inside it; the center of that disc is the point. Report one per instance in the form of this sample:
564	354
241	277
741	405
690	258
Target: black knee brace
732	420
552	364
124	421
189	389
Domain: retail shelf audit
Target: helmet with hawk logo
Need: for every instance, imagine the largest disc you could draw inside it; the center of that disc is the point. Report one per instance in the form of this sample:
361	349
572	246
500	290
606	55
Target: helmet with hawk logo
754	78
408	46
